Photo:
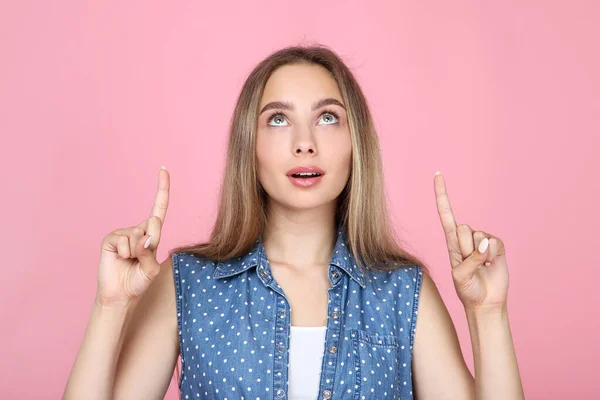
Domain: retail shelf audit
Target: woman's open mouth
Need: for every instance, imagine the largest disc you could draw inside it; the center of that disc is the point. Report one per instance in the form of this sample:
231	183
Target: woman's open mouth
305	179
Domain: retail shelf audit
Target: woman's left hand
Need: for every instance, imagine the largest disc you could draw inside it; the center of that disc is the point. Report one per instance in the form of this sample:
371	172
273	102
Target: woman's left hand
480	279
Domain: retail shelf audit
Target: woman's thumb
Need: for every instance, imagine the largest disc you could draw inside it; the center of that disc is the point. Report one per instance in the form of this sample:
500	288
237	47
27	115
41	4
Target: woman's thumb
146	257
471	264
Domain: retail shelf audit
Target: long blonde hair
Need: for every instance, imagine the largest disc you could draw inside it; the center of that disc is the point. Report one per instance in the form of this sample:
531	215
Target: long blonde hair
361	207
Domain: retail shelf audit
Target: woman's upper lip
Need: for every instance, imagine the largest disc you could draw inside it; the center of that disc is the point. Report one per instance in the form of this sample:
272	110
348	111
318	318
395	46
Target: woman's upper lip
307	168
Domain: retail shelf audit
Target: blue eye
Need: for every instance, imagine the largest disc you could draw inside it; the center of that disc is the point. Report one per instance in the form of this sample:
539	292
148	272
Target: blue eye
276	115
279	115
331	113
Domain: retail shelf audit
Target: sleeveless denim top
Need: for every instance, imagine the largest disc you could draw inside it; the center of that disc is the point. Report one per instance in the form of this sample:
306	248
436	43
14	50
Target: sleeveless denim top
234	329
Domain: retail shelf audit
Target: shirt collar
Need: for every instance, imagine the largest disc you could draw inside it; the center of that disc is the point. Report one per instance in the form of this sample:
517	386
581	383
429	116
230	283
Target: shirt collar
341	257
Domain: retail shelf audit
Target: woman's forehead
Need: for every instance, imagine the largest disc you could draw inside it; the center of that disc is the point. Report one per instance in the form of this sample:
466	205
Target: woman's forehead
300	83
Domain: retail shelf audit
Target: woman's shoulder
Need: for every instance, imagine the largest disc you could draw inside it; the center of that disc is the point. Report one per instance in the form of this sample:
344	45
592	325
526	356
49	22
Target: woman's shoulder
407	274
191	260
188	265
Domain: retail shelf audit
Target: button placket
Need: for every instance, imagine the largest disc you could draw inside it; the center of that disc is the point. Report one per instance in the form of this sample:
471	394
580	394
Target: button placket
282	332
329	363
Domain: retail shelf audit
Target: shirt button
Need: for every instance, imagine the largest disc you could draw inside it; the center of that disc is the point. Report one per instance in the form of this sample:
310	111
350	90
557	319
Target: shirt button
335	314
282	314
281	393
335	274
281	348
326	394
332	349
263	273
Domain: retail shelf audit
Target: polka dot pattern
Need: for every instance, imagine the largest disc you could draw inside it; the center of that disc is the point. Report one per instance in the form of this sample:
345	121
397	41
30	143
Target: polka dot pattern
234	329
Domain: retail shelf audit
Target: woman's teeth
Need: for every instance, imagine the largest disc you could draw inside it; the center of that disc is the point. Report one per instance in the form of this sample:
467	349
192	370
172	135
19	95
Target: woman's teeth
306	175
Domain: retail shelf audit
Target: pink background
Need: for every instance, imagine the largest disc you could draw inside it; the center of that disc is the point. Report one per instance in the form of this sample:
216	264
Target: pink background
502	98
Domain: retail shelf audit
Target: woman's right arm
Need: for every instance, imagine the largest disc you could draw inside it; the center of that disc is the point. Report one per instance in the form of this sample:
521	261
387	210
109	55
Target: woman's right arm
151	345
131	343
129	352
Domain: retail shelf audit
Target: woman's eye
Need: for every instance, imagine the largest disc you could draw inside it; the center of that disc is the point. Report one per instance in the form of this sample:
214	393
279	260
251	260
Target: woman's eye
278	119
330	118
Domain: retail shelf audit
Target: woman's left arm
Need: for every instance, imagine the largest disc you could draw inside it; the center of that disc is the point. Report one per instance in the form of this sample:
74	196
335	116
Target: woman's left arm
496	369
480	276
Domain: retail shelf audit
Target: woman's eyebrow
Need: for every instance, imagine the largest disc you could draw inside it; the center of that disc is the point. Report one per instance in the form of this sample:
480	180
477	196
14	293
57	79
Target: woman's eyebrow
284	105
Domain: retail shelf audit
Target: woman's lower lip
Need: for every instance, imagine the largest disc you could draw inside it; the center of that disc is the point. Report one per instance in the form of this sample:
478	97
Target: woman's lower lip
305	182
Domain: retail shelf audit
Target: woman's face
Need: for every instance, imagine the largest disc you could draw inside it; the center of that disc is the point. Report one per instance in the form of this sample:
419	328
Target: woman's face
301	136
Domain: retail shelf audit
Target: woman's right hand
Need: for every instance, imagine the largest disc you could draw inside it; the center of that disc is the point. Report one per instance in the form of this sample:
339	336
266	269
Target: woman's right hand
126	267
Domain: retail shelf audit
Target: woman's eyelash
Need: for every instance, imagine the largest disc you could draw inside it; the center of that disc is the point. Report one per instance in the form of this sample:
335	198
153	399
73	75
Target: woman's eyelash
331	112
326	111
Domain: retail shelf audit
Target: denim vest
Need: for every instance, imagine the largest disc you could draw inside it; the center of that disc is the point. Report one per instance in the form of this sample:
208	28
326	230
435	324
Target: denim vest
234	329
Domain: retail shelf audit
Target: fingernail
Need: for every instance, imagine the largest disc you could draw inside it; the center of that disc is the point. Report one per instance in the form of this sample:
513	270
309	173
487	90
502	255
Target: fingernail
483	245
437	173
147	242
163	167
487	263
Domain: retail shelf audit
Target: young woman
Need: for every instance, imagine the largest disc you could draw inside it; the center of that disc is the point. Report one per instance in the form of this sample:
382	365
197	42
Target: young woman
302	291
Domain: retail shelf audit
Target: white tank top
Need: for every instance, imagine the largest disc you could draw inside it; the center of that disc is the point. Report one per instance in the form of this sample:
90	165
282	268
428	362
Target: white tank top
306	354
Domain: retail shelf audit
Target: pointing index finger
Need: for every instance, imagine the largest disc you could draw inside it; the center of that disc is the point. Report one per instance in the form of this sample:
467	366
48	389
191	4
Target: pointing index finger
161	202
444	209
